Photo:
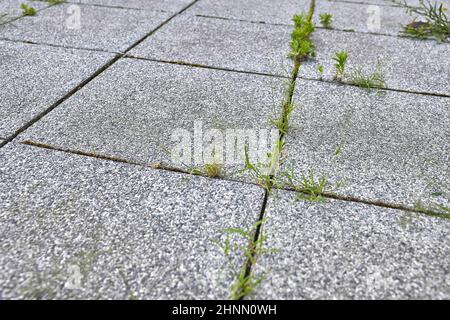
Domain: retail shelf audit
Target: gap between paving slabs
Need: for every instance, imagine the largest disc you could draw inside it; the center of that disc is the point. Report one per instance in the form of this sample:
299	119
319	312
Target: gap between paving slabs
252	260
92	77
79	87
293	79
345	16
245	283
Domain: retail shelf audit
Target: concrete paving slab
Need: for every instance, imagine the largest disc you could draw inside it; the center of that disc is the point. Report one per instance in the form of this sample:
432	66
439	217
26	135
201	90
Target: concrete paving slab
219	43
407	64
74	227
34	77
92	27
13	10
384	146
346	16
162	5
136	109
344	250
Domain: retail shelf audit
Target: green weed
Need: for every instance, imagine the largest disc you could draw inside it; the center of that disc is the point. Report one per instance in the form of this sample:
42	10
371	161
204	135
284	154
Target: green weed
308	186
211	170
436	23
263	173
326	20
320	69
27	10
373	80
245	282
340	59
301	43
55	1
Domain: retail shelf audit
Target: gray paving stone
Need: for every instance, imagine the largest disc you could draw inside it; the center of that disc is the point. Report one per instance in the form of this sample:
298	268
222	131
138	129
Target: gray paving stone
345	15
132	110
344	250
13	10
102	28
34	77
394	146
407	64
163	5
77	227
242	46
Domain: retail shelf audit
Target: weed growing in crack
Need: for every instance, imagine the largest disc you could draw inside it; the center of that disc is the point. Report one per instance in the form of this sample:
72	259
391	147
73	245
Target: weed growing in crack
436	24
282	123
437	190
302	47
357	77
309	186
340	59
53	2
373	80
211	170
301	43
434	209
326	20
263	173
27	10
320	69
245	282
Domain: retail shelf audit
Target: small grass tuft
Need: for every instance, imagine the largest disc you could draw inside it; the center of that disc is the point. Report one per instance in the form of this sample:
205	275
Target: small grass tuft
374	80
433	209
27	10
211	170
308	186
320	69
340	59
263	173
326	20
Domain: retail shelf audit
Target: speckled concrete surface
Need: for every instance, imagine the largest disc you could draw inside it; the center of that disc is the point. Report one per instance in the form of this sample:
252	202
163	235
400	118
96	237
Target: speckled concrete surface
393	146
102	28
34	77
241	46
346	15
344	250
401	59
132	110
162	5
77	227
